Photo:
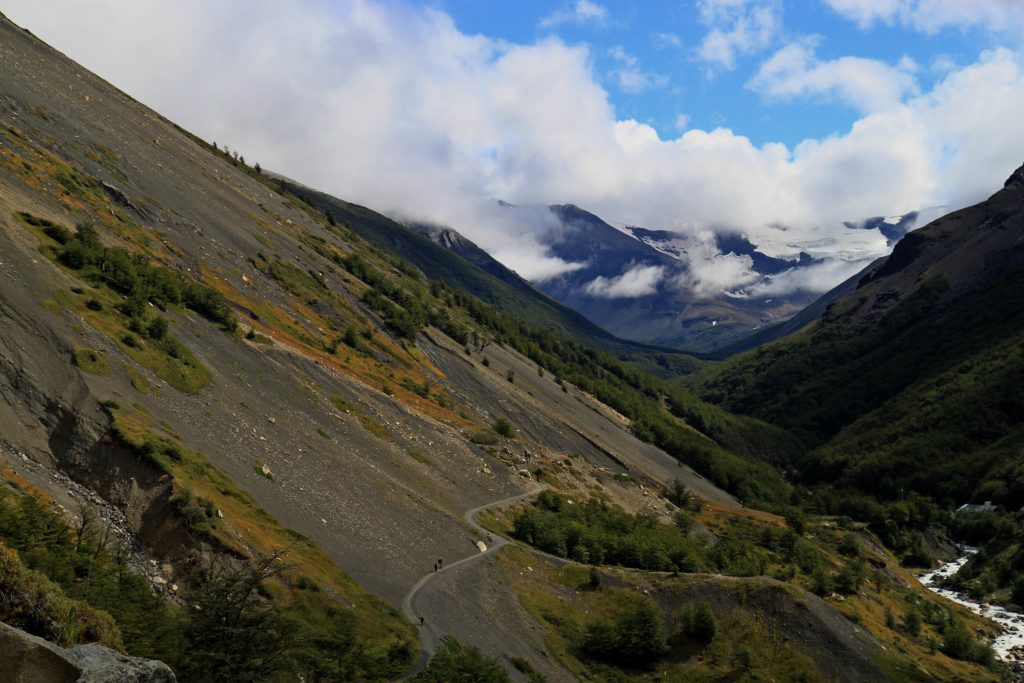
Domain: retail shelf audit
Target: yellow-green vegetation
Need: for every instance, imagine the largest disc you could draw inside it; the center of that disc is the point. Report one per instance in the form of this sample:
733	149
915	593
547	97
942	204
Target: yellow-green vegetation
32	602
601	625
418	456
836	559
310	587
609	624
343	404
92	361
138	380
455	662
62	580
253	619
376	428
371	425
117	304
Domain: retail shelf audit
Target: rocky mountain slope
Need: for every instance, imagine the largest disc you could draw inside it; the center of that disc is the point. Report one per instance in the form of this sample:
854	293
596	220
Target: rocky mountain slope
211	387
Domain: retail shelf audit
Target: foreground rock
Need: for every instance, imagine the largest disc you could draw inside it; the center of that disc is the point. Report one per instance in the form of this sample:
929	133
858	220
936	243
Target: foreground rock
25	658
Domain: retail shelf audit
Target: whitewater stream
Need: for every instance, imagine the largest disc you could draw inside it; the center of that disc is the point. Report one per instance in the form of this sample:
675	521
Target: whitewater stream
1009	646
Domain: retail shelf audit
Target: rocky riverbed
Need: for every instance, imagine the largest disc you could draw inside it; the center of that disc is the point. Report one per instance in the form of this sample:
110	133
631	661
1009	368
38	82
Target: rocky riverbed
1009	646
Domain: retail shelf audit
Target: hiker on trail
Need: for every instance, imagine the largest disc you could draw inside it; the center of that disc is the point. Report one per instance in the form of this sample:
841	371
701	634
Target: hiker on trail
421	620
440	563
435	566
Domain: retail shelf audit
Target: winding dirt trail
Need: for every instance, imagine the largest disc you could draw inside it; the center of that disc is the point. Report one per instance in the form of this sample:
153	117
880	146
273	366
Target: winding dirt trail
429	636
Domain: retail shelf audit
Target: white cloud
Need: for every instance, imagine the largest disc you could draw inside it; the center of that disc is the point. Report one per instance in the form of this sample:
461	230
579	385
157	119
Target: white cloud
636	281
867	84
393	107
665	41
628	75
931	16
737	28
816	278
710	272
583	12
682	122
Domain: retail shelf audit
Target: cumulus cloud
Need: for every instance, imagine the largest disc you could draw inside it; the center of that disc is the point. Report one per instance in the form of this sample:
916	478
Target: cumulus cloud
867	84
737	27
636	281
392	106
583	12
931	16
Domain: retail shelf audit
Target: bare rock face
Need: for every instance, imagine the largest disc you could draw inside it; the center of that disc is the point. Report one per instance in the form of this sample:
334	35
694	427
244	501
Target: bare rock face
25	658
28	659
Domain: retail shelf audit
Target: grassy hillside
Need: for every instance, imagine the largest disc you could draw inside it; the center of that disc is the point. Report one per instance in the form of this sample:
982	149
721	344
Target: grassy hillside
908	389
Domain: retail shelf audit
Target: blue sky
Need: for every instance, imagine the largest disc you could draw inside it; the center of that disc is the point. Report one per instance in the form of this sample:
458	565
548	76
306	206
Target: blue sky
800	115
665	40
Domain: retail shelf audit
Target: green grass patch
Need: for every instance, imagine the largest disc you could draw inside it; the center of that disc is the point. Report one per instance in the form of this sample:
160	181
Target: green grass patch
343	405
376	428
92	361
418	456
138	380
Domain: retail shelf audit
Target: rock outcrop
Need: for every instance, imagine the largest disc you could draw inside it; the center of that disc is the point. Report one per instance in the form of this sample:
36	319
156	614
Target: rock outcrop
25	658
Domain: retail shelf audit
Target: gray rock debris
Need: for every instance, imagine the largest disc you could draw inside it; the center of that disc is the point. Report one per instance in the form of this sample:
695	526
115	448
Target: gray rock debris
25	658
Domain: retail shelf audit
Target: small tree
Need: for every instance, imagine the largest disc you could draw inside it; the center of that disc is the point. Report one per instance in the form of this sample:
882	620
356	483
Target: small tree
235	634
677	494
259	171
912	623
457	663
637	637
797	520
504	428
158	328
704	627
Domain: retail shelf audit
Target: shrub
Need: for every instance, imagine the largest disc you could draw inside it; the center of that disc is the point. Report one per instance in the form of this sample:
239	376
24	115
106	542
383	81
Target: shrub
504	428
158	328
699	624
958	643
455	663
33	603
677	494
484	439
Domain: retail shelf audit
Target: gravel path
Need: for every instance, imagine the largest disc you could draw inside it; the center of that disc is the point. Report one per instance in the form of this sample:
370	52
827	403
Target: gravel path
430	638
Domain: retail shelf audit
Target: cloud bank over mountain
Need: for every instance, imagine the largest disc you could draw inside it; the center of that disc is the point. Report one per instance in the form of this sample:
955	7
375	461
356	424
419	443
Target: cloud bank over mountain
393	106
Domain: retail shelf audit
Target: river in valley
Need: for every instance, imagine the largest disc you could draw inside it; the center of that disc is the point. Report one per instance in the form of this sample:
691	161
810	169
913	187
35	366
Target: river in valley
1009	646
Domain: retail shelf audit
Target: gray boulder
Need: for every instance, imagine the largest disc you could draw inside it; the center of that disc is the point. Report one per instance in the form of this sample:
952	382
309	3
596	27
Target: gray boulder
25	658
